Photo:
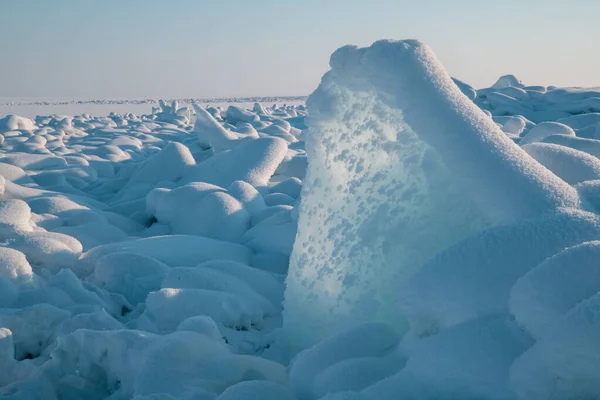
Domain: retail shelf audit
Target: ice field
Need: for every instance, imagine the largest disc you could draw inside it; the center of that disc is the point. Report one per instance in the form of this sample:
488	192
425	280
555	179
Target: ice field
401	235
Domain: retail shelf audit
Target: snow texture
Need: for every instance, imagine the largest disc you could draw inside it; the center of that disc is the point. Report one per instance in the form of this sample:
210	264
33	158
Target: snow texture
443	241
388	187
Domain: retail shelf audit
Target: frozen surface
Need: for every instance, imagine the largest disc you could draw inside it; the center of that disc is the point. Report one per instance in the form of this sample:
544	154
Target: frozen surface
30	107
126	245
562	364
547	292
388	186
573	166
444	246
474	277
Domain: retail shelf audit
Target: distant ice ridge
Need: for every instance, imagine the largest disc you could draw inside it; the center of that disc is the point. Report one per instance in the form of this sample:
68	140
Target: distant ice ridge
402	166
188	100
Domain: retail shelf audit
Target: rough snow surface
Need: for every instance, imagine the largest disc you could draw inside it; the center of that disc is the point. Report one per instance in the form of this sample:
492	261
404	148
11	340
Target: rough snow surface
388	186
445	244
125	248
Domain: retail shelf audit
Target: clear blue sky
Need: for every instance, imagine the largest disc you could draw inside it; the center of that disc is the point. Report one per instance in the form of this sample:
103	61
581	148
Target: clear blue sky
203	48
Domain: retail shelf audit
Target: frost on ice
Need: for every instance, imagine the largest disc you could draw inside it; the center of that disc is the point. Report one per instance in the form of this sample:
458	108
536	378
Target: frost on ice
402	166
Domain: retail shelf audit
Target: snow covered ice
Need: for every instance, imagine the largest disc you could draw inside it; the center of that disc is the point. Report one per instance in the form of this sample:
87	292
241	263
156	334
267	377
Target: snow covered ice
402	236
421	212
388	186
127	239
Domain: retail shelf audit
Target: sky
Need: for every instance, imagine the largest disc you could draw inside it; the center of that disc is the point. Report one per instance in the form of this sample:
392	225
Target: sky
219	48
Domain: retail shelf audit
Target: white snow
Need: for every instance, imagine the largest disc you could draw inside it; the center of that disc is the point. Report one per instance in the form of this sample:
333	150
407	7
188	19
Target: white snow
175	155
546	293
14	266
211	133
388	186
15	122
442	241
129	274
469	361
571	165
168	307
474	277
253	162
291	187
365	340
563	363
173	250
210	212
545	129
235	114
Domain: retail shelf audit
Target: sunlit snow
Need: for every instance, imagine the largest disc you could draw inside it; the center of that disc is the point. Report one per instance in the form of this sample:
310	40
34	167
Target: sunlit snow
441	241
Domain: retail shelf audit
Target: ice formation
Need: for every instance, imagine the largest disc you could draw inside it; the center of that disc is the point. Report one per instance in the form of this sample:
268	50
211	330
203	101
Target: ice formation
445	246
118	249
389	186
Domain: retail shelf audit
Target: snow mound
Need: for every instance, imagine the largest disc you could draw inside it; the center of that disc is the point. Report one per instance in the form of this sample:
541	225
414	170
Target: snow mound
563	364
572	165
202	324
51	250
175	155
469	361
507	81
327	357
582	121
173	250
545	129
15	216
213	134
274	234
512	125
16	122
13	173
291	187
590	191
172	204
590	146
33	328
254	162
34	161
491	262
235	114
260	281
248	196
212	279
130	274
14	266
546	293
168	307
199	209
128	363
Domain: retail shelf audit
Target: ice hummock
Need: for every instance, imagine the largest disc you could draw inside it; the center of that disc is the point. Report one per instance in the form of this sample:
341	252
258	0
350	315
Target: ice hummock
402	166
112	232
